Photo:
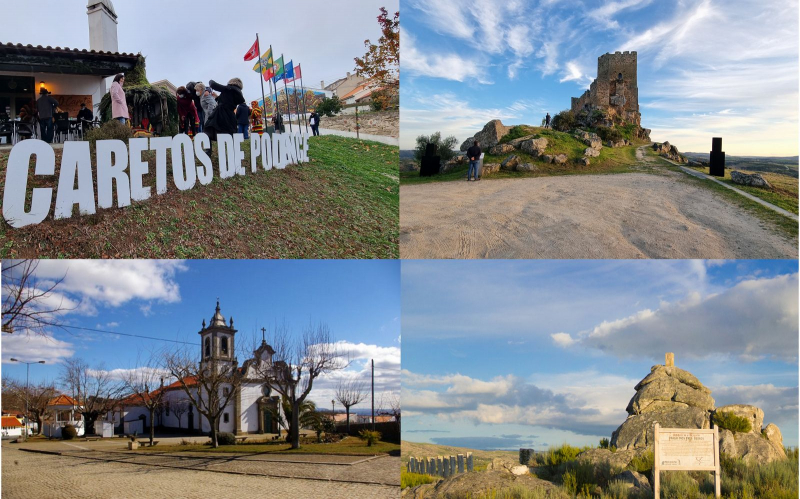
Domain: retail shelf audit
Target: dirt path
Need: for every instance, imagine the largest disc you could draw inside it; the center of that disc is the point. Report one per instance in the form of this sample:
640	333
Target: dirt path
632	215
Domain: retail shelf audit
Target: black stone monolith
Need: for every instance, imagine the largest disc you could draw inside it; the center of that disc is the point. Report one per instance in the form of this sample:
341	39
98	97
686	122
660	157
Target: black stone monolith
430	162
716	163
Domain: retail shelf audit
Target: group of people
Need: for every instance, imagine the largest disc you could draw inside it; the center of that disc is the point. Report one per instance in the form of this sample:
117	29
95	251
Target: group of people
46	109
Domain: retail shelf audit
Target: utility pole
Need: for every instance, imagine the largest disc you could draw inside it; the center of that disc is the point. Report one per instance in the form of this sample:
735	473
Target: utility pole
373	394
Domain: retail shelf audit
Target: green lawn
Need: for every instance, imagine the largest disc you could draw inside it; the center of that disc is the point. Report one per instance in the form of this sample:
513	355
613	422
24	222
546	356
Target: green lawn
350	446
783	193
344	203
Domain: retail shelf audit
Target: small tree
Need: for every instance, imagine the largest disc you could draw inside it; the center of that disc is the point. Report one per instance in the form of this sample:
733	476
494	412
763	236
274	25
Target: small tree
95	391
329	106
211	385
444	146
147	384
15	394
350	392
563	121
27	305
179	407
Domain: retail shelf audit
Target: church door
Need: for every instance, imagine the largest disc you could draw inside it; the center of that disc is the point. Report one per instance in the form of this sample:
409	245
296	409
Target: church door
191	421
268	422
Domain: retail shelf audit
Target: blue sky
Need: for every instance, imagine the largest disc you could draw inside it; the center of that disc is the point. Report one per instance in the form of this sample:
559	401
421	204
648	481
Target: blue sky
186	41
706	67
508	354
358	300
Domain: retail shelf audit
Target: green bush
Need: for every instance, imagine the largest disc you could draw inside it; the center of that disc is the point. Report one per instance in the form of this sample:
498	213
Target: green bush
525	456
444	147
69	432
110	130
369	436
730	421
642	464
329	106
563	121
608	133
225	438
515	133
414	479
604	443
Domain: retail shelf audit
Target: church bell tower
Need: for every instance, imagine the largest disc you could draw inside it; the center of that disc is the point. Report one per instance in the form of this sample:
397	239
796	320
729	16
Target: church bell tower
217	340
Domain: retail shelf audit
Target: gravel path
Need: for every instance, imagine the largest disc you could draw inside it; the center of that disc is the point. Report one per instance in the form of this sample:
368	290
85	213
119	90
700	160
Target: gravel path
632	215
30	475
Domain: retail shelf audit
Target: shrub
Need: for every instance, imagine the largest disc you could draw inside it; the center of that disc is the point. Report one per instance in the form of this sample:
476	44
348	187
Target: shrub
69	432
515	133
604	443
608	133
414	479
225	438
525	456
109	130
329	106
642	464
369	436
444	147
563	121
732	422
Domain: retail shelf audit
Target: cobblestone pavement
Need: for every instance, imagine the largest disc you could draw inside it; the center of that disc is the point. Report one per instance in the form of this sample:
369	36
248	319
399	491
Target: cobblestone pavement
32	475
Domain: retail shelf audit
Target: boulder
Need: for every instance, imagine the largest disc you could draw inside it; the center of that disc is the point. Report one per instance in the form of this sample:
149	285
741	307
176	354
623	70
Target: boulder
560	159
534	147
754	180
548	158
669	151
750	447
773	434
488	137
526	167
749	412
667	392
634	479
519	140
501	149
510	163
591	152
617	143
620	458
520	470
661	371
594	143
489	168
585	161
637	431
727	444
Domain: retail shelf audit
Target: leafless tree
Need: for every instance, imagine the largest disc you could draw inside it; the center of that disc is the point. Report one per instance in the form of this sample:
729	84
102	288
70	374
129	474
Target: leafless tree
15	394
297	362
27	306
211	385
95	390
350	392
147	384
179	408
390	405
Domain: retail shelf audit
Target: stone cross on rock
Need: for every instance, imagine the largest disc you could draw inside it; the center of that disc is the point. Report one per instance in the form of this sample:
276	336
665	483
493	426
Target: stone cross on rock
669	359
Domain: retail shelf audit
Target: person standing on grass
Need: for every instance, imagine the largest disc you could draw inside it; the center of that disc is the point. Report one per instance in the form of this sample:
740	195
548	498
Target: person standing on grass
243	120
547	121
45	106
119	107
474	156
314	122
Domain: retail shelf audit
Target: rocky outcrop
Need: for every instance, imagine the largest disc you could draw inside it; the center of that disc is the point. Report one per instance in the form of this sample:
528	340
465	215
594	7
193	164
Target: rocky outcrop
749	412
618	459
618	143
488	137
585	161
637	431
670	152
452	164
501	149
750	447
560	159
479	484
590	139
591	152
753	180
534	147
510	163
666	388
490	168
516	142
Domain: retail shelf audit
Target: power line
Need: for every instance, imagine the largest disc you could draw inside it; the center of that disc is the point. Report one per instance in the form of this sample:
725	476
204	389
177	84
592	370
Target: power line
126	334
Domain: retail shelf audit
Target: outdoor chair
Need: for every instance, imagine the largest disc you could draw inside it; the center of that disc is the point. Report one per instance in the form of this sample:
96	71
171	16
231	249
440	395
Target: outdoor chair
24	130
62	127
6	128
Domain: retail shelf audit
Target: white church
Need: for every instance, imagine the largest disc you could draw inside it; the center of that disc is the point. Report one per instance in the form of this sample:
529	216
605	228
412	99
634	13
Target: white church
252	407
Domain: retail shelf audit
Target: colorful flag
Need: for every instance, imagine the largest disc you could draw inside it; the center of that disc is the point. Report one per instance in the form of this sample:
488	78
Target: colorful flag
264	63
253	52
288	73
277	69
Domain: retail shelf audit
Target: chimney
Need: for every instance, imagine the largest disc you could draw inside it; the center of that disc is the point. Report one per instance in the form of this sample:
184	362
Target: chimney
348	74
102	26
322	84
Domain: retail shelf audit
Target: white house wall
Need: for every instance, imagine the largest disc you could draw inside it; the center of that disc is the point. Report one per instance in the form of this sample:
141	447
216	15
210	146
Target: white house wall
251	392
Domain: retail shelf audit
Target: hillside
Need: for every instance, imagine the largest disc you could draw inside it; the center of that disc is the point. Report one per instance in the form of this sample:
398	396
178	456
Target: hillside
782	165
425	450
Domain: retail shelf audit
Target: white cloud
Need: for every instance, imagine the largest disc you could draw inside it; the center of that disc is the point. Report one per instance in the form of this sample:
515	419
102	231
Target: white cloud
33	347
449	66
562	339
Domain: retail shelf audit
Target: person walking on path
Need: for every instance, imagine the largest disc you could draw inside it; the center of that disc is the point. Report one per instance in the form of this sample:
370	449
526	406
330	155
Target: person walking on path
207	103
187	113
314	122
547	121
474	156
223	119
45	106
119	107
243	120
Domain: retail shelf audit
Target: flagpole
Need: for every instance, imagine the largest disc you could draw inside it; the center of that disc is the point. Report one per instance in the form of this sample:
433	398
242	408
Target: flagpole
304	100
286	89
274	85
297	104
261	70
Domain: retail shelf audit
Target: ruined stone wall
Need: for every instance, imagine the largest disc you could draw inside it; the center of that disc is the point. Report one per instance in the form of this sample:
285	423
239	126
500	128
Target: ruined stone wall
610	67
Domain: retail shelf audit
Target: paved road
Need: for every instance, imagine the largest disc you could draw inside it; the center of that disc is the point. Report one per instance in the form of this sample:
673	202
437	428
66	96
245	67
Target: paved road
33	475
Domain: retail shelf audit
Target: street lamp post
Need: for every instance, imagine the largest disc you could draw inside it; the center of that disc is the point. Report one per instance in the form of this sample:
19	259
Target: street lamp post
333	409
27	378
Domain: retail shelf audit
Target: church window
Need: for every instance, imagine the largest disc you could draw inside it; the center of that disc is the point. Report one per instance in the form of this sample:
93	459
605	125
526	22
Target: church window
619	76
224	345
225	418
208	347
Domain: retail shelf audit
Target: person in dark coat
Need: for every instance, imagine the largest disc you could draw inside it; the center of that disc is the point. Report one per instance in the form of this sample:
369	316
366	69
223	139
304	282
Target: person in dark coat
547	121
223	119
85	116
243	120
474	157
196	94
313	120
187	113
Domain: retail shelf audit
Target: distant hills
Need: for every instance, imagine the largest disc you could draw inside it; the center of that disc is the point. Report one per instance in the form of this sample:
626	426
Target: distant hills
783	165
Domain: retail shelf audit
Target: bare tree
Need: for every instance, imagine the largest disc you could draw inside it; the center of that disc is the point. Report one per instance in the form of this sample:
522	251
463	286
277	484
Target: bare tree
210	385
297	362
145	385
390	405
27	306
179	408
15	394
350	392
95	391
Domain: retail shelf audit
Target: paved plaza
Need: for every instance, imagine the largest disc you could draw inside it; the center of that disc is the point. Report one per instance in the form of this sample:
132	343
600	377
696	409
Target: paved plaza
102	470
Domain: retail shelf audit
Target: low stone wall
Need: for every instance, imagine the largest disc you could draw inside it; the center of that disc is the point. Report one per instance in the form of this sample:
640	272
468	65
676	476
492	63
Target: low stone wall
375	123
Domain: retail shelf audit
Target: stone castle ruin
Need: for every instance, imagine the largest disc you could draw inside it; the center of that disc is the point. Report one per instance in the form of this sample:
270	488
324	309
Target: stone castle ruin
614	90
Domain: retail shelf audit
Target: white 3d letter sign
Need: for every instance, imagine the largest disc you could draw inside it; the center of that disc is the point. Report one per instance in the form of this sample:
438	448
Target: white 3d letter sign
120	170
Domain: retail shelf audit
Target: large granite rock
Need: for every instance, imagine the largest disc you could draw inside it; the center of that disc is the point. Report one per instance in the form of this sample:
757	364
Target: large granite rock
510	163
773	434
501	149
661	371
665	393
519	140
637	431
534	147
750	447
749	412
590	152
526	167
488	137
669	151
634	480
490	168
560	159
754	180
620	458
